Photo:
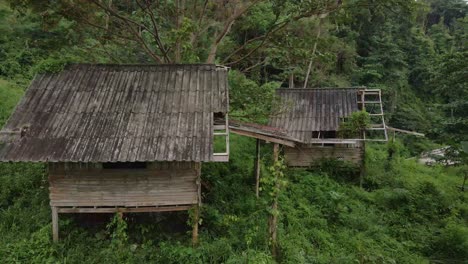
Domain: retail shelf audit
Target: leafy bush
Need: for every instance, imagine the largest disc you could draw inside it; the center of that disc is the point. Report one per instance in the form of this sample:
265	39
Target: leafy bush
354	125
340	170
452	242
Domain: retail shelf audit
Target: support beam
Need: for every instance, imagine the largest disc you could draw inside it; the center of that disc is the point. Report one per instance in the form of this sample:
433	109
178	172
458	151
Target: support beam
362	173
55	227
107	210
275	152
195	220
263	137
196	208
257	168
405	131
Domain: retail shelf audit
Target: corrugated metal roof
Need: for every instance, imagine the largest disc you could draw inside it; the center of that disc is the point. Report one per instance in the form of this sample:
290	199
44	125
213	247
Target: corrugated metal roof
110	113
309	110
265	129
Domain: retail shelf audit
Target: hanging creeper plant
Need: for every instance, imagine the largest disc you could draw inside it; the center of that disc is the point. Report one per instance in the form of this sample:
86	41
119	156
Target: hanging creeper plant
273	184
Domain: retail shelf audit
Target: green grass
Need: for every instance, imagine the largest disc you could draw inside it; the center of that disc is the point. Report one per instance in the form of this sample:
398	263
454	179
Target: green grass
10	94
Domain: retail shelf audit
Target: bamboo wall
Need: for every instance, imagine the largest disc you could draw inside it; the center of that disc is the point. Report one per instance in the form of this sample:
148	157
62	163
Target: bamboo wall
306	156
88	184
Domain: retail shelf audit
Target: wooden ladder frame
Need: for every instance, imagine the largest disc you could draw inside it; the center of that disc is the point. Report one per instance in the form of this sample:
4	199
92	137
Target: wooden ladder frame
380	126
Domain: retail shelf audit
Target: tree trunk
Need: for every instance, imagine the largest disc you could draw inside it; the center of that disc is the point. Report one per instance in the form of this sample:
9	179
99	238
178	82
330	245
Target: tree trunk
313	52
291	80
179	18
218	39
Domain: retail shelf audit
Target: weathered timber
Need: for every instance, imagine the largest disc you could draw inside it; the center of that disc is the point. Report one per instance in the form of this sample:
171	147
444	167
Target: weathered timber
257	168
195	219
273	139
308	155
118	113
405	131
196	207
313	110
55	226
107	210
140	187
121	138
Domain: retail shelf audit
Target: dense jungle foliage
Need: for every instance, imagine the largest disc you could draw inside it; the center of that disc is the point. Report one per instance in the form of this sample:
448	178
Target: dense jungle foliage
403	212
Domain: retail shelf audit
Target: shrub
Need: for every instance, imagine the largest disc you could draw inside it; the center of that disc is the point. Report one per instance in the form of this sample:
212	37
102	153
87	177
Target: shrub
355	124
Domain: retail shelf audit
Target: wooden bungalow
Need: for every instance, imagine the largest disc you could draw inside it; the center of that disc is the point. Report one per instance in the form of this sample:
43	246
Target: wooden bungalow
122	138
308	124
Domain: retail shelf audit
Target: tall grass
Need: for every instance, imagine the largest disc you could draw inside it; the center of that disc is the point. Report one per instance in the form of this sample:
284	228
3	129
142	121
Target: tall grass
9	95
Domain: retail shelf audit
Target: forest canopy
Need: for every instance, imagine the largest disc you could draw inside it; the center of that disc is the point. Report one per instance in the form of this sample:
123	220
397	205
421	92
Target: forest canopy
415	51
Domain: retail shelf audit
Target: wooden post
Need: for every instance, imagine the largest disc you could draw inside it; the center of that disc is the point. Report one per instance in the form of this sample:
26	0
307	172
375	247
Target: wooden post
196	208
464	181
275	152
55	227
363	164
195	225
257	168
273	220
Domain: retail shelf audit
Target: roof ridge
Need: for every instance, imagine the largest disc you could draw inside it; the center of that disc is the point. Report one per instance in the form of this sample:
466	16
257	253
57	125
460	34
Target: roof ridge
323	88
144	64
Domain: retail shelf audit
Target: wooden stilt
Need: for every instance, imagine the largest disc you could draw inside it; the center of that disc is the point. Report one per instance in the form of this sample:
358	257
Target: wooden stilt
275	152
464	181
198	168
196	208
362	173
55	227
257	169
195	225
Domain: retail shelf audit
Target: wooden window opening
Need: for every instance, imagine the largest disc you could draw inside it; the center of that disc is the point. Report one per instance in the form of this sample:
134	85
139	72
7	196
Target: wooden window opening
124	165
221	137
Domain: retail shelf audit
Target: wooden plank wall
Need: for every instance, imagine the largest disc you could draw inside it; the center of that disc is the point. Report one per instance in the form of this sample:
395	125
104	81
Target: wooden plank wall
307	156
160	184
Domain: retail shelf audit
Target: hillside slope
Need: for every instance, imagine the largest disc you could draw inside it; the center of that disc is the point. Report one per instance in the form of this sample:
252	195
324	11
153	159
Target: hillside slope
9	96
406	213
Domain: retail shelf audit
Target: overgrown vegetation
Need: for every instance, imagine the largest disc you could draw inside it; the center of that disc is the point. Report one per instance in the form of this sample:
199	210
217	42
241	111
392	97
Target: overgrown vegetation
405	212
355	125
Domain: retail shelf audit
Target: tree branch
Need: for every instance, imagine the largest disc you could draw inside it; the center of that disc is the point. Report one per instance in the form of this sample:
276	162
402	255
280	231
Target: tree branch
128	22
157	38
227	27
272	30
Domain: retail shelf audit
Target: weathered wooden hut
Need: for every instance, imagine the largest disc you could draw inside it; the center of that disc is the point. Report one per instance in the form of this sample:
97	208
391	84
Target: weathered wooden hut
313	116
121	138
308	122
